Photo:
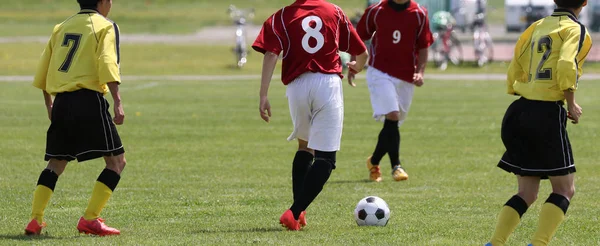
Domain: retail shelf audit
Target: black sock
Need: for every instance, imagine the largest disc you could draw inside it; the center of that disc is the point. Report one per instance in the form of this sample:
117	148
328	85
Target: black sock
315	179
560	201
109	178
48	178
393	142
380	148
302	162
518	204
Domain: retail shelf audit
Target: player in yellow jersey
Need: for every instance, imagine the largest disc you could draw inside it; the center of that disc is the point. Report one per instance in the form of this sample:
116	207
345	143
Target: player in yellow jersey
544	72
78	66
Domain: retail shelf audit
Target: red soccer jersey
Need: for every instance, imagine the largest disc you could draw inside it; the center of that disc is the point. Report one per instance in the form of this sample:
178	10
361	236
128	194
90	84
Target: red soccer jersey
309	33
397	37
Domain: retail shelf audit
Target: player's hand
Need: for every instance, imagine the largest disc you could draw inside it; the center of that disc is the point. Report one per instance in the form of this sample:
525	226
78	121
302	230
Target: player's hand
119	113
265	109
353	68
574	113
418	79
351	76
49	109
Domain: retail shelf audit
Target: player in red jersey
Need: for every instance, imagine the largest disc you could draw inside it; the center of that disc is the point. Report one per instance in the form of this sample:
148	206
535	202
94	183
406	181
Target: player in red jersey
309	34
400	36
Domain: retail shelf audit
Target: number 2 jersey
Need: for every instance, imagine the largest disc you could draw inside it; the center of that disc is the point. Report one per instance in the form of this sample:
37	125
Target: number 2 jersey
548	57
82	53
308	34
398	32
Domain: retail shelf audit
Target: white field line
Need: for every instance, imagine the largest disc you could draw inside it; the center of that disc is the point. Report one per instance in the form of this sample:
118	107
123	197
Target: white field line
157	78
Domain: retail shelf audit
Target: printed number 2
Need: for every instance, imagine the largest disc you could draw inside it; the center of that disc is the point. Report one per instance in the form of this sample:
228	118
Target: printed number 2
312	33
75	37
544	45
397	36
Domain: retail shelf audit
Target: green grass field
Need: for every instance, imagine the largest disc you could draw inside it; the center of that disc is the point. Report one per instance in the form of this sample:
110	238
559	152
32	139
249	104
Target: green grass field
204	169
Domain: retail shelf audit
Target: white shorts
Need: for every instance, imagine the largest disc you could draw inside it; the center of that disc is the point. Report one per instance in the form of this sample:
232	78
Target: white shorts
389	94
317	110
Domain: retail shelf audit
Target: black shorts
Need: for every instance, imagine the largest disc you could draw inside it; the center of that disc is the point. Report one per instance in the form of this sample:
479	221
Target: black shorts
536	140
81	128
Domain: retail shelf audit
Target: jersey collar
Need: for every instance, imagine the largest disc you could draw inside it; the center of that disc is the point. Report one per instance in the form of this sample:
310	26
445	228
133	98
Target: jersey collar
87	11
560	12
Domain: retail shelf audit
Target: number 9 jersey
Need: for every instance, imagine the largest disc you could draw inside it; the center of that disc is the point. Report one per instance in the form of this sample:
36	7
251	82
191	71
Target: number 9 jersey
82	53
308	34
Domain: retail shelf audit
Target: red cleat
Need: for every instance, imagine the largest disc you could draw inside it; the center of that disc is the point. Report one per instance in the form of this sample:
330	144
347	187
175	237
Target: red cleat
287	220
96	227
33	228
302	219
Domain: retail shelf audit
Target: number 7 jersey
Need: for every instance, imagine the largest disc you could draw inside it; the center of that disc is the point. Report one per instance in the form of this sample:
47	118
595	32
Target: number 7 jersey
308	34
82	53
548	57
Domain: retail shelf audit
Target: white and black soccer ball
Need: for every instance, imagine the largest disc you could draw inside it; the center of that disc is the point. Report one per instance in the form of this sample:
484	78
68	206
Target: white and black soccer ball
372	211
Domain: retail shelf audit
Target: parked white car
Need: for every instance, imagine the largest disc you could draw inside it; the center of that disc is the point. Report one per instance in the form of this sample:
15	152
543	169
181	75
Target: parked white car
519	14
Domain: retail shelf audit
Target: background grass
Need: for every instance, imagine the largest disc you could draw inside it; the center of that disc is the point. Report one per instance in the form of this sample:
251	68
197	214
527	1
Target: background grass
37	17
204	169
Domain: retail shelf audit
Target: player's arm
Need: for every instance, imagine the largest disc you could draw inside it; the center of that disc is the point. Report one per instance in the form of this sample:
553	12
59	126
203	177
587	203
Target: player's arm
108	68
424	41
350	41
573	51
270	44
366	25
516	73
41	74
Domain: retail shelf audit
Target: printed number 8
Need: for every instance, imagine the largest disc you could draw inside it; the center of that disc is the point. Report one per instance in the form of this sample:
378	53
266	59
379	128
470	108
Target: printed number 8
312	33
397	36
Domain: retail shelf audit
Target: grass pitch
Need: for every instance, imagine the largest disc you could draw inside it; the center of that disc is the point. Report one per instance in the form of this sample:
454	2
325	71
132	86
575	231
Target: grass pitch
204	169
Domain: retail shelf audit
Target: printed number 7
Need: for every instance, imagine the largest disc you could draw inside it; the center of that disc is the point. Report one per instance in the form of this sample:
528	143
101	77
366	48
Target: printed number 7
75	37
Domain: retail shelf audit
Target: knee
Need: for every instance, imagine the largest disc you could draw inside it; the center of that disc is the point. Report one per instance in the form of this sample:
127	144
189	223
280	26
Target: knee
394	116
529	197
57	166
328	157
116	163
567	192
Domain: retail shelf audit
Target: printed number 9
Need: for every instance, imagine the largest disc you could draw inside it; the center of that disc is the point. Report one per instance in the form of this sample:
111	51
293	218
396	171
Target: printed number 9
312	33
397	36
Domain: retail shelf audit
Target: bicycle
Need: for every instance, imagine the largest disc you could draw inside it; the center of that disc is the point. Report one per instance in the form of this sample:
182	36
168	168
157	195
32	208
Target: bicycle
446	47
482	41
239	17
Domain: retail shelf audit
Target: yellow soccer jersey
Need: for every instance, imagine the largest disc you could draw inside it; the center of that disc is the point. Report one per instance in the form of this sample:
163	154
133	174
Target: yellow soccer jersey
82	53
548	57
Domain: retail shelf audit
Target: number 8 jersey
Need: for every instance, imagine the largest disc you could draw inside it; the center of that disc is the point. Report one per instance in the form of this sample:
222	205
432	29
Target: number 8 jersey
82	53
308	34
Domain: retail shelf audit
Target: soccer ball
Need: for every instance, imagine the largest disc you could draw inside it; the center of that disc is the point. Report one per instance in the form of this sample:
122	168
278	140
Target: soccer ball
372	211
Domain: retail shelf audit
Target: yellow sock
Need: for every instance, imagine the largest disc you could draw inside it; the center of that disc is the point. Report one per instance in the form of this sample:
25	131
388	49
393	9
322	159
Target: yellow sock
100	196
41	197
508	220
550	218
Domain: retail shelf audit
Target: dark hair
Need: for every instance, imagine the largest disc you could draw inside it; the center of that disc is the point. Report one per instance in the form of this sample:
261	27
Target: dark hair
571	4
88	4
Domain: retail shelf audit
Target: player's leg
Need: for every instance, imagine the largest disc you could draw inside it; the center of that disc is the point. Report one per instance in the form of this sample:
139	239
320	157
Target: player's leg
298	93
42	194
384	101
554	209
302	162
512	211
59	152
405	93
98	137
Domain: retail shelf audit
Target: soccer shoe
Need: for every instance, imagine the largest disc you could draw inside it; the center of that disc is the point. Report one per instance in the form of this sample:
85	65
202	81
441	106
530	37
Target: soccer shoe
287	220
399	174
33	228
375	172
96	227
302	219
